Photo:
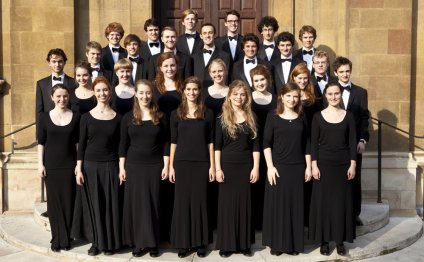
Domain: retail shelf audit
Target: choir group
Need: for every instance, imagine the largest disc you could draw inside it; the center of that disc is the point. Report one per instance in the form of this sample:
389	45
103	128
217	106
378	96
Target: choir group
176	137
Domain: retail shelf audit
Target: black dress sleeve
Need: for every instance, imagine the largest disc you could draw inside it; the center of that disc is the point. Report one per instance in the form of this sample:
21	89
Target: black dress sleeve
125	140
352	135
219	138
268	131
173	122
42	130
82	144
315	136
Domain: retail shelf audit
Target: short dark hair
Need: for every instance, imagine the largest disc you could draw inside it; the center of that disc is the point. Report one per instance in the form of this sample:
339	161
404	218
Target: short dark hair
57	52
250	37
339	61
208	24
132	38
151	22
307	29
284	37
268	21
232	12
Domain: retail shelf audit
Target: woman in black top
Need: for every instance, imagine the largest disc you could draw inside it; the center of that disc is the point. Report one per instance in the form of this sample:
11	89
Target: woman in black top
237	166
97	170
215	94
263	101
287	152
123	93
143	162
57	140
82	99
191	167
333	152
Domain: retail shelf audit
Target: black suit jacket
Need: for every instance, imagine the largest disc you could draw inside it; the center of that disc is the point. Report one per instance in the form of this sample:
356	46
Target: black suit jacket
105	73
201	70
358	105
145	51
182	45
262	54
106	60
238	72
223	44
279	78
185	66
319	97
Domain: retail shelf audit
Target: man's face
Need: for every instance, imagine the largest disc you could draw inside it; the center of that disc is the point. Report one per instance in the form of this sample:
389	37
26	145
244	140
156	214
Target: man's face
93	56
189	22
308	40
132	48
152	33
268	33
207	35
57	63
320	65
343	73
250	49
285	48
169	39
232	23
114	38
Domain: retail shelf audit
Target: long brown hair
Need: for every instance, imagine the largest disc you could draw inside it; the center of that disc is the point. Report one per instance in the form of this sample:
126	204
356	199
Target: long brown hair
183	107
160	78
302	68
228	117
286	88
155	114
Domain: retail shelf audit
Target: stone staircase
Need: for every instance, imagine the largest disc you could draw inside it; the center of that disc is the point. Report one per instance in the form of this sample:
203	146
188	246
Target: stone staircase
381	234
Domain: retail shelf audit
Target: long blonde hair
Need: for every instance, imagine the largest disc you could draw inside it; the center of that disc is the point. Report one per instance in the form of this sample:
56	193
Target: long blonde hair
228	116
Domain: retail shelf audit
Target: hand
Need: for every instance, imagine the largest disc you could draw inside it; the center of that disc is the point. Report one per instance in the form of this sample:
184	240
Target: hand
308	174
219	176
254	175
351	172
42	171
360	148
80	178
271	173
122	177
211	174
316	173
165	173
171	175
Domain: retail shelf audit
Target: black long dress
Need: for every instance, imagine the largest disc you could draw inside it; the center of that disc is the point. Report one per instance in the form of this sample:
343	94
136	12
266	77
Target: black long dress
59	161
283	205
258	188
333	146
234	231
98	149
189	226
143	147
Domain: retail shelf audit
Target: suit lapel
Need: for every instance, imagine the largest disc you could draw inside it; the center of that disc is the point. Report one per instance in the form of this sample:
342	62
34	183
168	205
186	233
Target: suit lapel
279	69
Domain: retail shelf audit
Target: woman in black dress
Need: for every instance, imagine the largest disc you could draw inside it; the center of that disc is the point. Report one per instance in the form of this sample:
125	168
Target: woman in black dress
287	152
191	167
215	94
143	162
82	99
333	151
263	101
57	140
97	170
237	166
123	93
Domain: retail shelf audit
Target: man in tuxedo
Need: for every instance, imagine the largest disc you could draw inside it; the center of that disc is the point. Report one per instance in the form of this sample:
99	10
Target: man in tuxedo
189	43
185	62
153	45
202	59
241	69
231	42
283	65
113	51
355	100
320	76
93	52
307	35
267	27
132	44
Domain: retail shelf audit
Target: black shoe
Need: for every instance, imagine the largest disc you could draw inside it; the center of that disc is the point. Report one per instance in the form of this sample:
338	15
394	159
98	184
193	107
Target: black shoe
275	253
55	249
182	252
66	248
154	252
325	249
247	252
201	251
293	253
358	222
225	253
137	252
341	250
93	251
44	214
108	252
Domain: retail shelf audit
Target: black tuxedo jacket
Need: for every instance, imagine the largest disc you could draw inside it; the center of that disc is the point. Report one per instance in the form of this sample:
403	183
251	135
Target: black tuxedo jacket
299	53
106	60
358	105
223	44
279	78
238	72
145	51
182	45
201	70
319	97
105	73
262	54
185	66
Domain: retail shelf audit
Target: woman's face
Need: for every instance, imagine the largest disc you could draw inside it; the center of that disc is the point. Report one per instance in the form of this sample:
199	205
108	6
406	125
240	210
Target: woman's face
238	97
60	98
169	68
191	92
260	83
124	75
217	73
82	77
333	95
301	80
290	99
102	92
144	95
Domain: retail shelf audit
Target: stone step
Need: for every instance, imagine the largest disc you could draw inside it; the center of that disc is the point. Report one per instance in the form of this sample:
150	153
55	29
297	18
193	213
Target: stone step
22	231
374	216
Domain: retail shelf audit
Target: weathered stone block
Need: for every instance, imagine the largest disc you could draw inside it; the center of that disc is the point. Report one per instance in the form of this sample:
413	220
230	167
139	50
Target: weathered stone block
386	18
372	41
399	41
366	4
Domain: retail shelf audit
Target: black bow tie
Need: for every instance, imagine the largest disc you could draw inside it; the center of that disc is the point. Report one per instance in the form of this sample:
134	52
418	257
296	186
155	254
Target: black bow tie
310	52
232	38
207	51
323	78
269	46
57	78
115	49
285	60
347	88
154	44
95	69
133	59
250	61
190	35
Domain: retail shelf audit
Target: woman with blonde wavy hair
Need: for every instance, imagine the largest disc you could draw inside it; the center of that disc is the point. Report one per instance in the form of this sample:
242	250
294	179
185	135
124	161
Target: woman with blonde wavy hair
237	165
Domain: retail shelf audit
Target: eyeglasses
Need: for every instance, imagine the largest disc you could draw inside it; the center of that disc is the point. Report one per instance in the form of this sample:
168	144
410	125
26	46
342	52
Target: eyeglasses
232	21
